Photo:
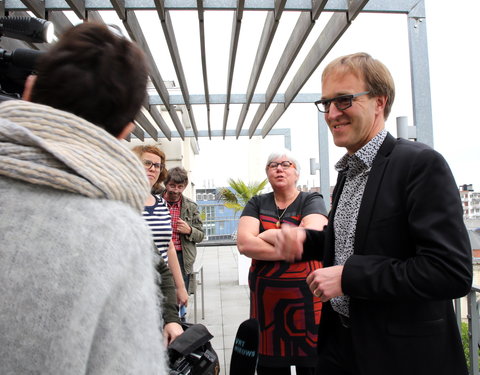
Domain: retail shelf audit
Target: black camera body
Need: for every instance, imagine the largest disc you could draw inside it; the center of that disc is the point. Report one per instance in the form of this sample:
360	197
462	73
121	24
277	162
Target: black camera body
17	65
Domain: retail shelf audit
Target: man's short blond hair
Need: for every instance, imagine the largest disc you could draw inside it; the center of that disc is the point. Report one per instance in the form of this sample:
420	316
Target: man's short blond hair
378	80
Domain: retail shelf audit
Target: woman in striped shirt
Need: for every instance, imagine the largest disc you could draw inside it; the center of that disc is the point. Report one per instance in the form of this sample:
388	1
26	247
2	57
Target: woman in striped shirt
157	216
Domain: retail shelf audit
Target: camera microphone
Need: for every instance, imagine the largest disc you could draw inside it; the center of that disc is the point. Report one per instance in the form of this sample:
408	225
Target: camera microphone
28	29
245	348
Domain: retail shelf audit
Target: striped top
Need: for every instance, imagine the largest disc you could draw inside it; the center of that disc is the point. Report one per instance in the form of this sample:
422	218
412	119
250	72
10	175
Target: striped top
159	220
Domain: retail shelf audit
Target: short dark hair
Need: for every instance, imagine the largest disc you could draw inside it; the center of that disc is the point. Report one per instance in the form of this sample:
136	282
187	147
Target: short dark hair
95	74
178	175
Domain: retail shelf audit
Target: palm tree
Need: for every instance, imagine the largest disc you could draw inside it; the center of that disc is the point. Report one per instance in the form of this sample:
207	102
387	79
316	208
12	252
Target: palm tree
237	198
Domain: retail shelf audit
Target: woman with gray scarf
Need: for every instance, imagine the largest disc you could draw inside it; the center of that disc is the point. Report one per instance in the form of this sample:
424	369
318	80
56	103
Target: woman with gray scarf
76	270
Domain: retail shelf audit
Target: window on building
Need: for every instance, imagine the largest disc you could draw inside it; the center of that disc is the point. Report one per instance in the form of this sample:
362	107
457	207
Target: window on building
209	212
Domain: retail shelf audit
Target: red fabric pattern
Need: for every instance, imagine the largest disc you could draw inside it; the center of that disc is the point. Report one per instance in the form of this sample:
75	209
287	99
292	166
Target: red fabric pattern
175	209
287	311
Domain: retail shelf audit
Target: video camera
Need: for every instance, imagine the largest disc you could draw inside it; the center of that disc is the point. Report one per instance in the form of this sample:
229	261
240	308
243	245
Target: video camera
17	65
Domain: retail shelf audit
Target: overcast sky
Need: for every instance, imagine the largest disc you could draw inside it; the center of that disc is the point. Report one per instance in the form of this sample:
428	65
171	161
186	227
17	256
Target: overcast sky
453	31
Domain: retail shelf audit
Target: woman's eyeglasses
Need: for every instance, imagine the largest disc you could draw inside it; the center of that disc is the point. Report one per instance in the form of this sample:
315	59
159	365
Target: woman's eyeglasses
284	164
148	164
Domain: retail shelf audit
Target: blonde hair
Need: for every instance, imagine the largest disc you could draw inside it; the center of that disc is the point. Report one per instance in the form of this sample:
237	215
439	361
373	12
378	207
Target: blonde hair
378	80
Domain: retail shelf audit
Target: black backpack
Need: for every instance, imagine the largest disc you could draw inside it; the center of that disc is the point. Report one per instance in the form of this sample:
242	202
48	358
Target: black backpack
191	353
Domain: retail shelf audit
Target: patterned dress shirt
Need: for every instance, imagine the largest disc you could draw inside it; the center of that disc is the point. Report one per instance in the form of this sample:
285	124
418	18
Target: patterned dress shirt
357	168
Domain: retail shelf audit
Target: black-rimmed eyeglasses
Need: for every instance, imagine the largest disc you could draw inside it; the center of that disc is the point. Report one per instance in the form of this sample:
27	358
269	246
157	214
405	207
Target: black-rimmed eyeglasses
342	102
148	164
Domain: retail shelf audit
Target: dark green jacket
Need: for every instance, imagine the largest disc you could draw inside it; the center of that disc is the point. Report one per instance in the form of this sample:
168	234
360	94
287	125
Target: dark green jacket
169	297
190	214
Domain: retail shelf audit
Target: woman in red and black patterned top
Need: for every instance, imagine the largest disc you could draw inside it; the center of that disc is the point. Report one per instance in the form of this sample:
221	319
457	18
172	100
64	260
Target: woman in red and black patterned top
280	300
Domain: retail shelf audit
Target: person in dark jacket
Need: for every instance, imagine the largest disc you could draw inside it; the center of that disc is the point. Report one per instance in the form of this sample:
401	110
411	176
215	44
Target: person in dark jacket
187	227
396	251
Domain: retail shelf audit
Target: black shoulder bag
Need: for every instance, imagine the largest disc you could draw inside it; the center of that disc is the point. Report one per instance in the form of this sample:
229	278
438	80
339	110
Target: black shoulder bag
191	353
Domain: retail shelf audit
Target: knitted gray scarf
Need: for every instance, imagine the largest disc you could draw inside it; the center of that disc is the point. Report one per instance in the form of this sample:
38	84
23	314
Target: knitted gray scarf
46	146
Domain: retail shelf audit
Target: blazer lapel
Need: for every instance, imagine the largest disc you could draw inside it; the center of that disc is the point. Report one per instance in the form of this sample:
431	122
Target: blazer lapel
337	191
329	255
370	194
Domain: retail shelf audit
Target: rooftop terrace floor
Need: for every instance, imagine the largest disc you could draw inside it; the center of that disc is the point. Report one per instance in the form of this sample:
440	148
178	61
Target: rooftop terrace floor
226	302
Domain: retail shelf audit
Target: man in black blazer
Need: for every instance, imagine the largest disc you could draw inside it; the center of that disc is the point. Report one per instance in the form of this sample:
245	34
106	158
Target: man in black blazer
396	251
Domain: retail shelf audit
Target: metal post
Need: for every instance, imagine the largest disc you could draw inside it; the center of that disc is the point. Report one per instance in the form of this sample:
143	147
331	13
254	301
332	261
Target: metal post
404	130
324	159
420	72
195	297
458	313
203	293
473	331
402	127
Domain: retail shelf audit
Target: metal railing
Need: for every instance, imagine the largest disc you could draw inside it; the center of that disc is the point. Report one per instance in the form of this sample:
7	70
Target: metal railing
220	230
473	320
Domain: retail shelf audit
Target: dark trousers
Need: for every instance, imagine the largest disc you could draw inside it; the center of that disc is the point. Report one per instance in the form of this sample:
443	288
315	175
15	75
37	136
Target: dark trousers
336	356
284	370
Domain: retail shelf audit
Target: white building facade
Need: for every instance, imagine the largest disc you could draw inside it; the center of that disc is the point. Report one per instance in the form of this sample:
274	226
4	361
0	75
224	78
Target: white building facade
470	202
